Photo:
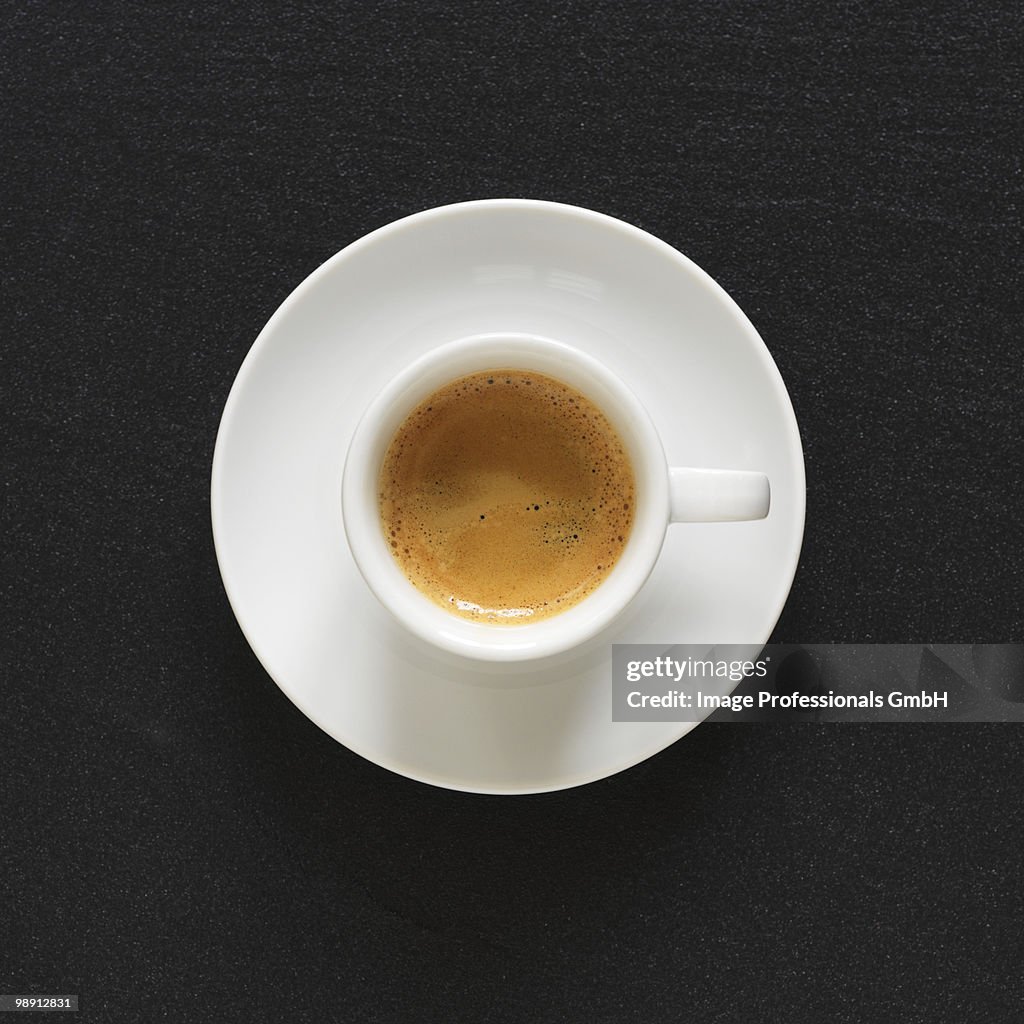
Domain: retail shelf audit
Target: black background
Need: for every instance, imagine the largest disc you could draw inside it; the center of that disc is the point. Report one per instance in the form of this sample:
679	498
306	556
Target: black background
177	842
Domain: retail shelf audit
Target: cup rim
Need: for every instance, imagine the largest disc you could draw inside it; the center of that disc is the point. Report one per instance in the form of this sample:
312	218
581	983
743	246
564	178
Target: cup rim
428	620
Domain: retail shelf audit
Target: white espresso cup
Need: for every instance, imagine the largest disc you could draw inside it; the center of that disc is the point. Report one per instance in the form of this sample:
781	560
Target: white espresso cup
663	495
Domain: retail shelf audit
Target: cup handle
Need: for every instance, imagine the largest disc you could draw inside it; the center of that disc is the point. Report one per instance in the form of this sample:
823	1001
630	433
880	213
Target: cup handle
717	495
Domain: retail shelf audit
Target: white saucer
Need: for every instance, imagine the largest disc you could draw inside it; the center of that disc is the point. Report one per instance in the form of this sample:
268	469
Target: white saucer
635	303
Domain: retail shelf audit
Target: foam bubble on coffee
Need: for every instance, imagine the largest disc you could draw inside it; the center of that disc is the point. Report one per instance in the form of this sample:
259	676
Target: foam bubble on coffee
506	496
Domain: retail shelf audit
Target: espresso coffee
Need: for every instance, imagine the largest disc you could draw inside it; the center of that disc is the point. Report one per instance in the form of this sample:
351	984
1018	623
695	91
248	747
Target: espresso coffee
506	496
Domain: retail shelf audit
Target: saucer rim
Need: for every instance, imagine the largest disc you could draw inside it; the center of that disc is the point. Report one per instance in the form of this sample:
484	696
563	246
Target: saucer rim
351	251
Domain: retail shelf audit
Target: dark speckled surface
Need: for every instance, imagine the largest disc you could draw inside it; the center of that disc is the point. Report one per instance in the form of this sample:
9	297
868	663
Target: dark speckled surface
176	841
